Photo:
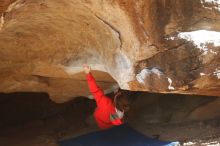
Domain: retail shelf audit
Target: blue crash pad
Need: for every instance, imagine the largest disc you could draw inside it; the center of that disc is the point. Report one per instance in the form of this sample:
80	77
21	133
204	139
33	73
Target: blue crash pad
116	136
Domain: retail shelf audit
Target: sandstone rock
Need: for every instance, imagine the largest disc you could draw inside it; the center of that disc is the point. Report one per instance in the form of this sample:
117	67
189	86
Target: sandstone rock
143	45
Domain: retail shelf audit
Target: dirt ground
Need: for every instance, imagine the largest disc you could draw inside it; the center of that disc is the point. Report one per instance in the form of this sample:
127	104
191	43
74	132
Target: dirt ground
187	133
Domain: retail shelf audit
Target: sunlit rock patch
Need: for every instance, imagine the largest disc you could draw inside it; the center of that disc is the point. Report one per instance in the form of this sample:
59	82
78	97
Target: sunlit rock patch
211	4
202	38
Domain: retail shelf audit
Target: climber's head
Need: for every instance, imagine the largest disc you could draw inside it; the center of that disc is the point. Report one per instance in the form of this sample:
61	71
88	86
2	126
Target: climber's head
121	101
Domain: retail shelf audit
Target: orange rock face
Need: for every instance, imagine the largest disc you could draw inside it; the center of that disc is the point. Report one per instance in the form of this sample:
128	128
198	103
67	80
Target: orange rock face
139	45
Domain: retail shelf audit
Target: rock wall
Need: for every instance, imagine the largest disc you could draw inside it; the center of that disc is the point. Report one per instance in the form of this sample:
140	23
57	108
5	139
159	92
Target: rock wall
23	108
172	108
153	45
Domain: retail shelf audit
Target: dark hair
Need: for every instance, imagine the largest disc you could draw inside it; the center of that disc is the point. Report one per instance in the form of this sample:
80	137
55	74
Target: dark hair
121	100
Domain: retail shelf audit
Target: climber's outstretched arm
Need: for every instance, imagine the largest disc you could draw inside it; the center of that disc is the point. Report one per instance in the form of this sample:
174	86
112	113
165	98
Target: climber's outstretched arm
96	91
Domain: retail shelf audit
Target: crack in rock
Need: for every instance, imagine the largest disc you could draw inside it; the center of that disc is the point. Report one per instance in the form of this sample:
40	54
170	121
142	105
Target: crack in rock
2	21
112	27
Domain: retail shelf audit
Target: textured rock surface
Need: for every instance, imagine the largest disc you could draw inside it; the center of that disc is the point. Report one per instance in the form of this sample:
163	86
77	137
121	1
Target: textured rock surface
44	43
173	108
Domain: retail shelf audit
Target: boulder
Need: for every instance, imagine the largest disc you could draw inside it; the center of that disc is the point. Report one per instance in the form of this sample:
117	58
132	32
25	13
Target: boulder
158	46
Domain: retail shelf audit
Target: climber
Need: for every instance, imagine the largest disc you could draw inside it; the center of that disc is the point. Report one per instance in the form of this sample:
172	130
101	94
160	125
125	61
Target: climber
108	112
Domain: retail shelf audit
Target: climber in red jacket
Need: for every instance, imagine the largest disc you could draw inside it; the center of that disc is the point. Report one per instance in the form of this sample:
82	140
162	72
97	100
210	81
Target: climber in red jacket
108	113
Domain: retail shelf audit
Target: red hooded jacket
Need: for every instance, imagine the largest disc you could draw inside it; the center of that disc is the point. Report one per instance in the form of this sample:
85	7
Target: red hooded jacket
105	113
